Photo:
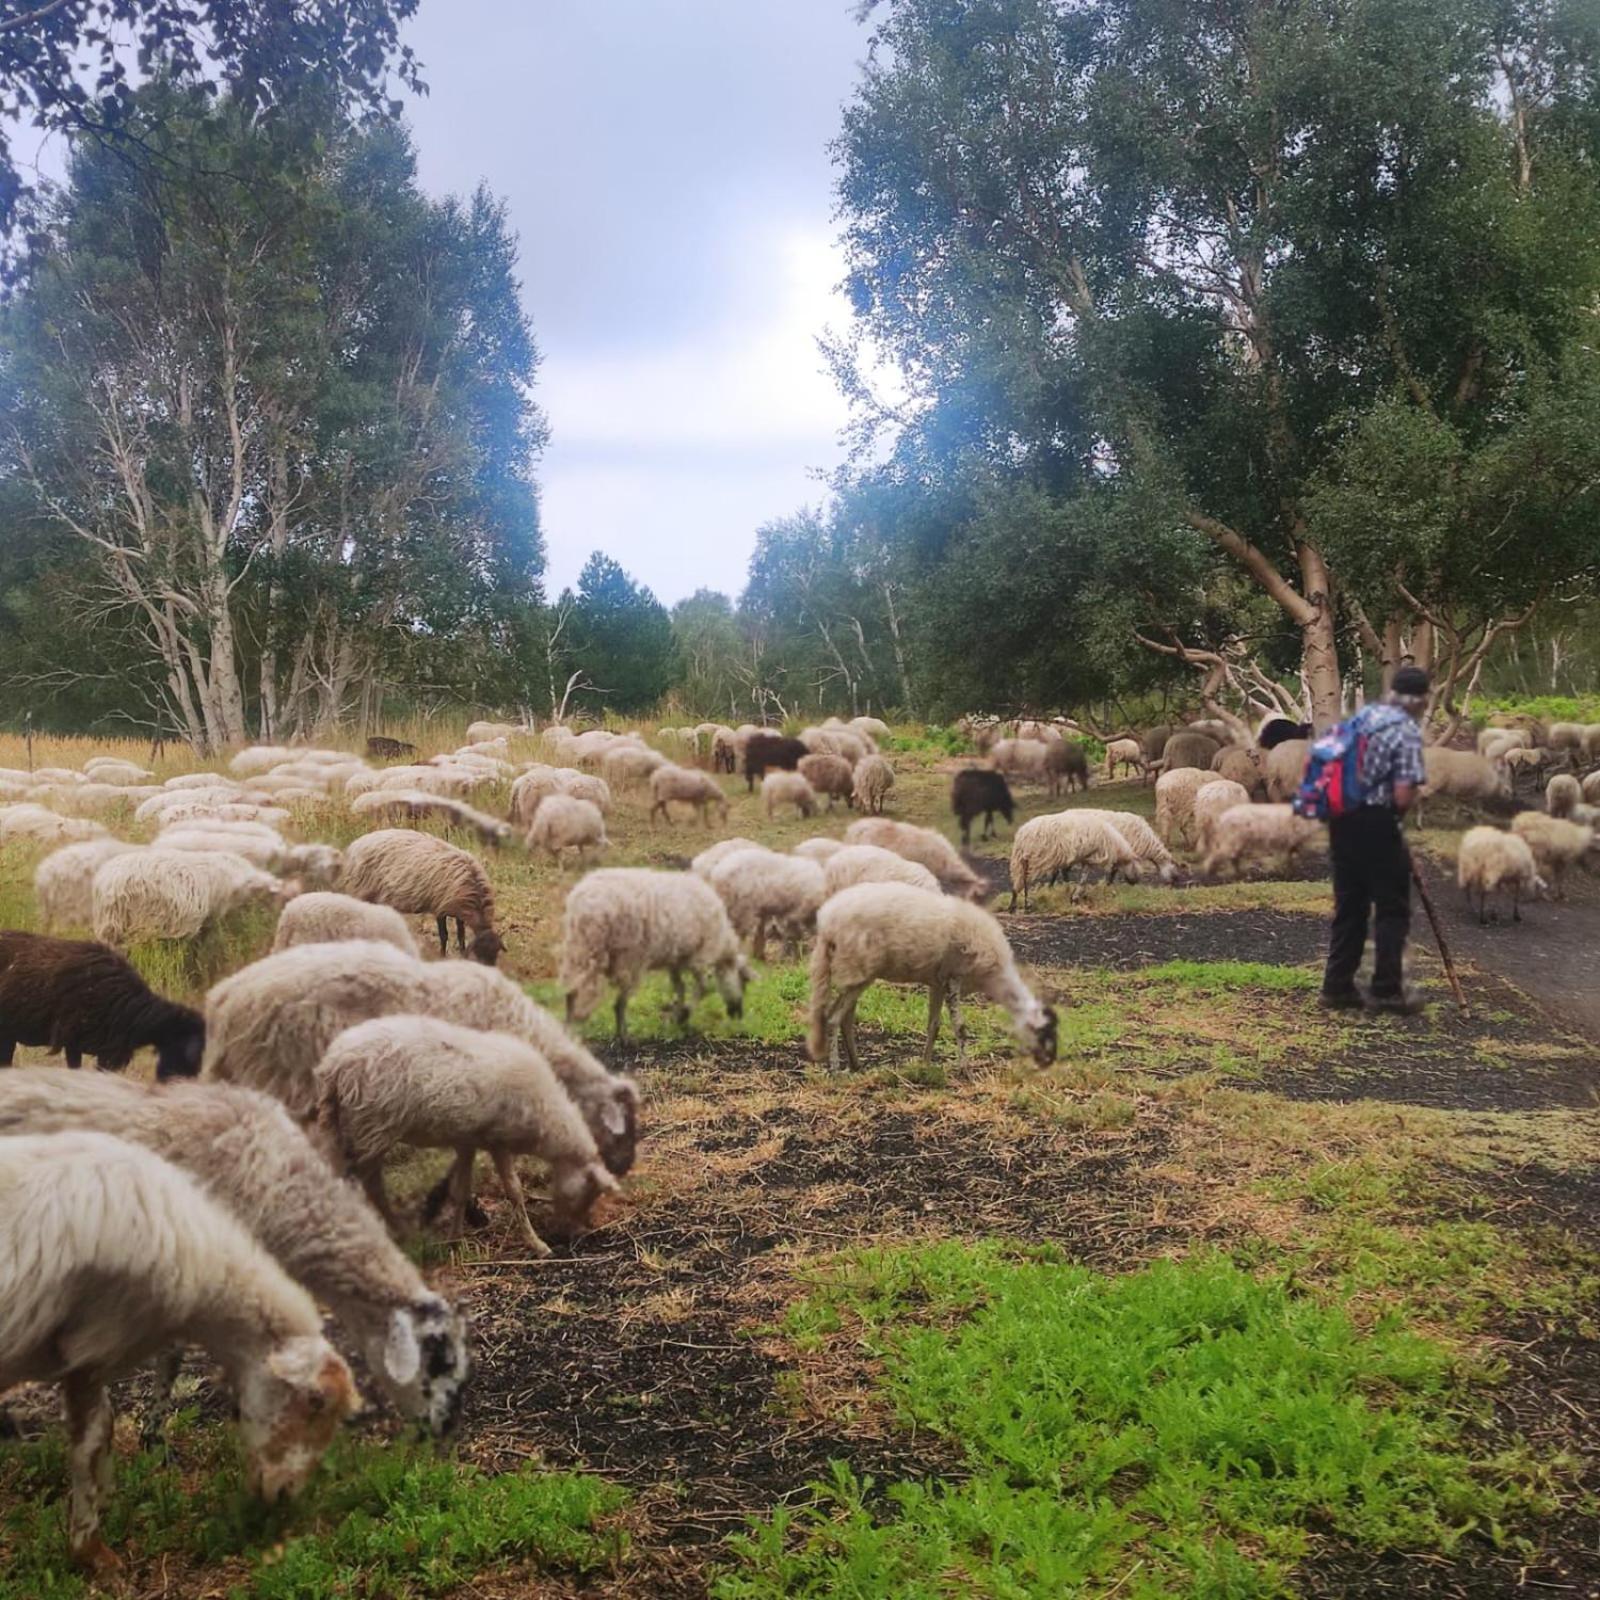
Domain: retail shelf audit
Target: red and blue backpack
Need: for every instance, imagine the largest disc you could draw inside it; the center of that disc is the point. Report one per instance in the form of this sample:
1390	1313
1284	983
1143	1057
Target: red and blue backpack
1331	785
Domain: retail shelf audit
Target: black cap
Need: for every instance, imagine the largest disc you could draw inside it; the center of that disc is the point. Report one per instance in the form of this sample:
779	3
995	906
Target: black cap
1412	682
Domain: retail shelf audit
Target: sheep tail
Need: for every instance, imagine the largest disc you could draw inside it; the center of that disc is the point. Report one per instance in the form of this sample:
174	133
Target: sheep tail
821	980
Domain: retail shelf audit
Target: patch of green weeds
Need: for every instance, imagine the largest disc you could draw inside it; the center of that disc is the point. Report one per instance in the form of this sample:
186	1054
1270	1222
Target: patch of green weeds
394	1521
1179	1430
1207	977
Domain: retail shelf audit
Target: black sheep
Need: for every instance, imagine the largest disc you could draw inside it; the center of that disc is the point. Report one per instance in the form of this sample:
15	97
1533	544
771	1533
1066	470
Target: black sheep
85	999
976	789
1280	730
764	751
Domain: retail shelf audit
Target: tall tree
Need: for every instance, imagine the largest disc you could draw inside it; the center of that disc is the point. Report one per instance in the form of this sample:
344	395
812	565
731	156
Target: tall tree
284	415
621	637
1176	260
709	650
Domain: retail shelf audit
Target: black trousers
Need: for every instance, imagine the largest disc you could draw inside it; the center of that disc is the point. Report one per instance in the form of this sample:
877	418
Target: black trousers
1371	870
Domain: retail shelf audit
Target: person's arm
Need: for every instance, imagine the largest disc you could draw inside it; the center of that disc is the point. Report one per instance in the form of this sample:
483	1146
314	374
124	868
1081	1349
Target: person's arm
1410	771
1405	795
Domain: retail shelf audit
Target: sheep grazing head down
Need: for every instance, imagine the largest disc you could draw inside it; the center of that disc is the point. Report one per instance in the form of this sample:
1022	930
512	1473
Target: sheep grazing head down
1039	1033
290	1407
486	946
731	978
423	1360
180	1045
573	1195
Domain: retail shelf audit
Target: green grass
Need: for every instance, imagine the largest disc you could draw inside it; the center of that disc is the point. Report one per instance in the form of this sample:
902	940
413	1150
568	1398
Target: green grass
391	1521
1185	1430
1205	977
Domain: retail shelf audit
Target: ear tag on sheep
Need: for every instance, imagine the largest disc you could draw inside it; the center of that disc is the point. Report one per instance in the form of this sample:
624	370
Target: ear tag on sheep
402	1359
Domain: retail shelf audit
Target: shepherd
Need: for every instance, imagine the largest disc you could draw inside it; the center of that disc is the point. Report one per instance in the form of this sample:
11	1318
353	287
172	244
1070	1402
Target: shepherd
1361	778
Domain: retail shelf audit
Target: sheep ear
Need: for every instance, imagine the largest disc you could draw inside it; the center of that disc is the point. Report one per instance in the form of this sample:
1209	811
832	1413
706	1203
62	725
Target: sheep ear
613	1118
402	1359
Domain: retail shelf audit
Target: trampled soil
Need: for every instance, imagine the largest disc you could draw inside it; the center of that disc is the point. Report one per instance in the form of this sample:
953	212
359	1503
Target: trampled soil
1284	938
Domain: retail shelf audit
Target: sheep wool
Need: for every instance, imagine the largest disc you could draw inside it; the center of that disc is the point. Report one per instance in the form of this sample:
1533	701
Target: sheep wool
173	894
1175	792
1561	794
765	891
830	775
784	788
1144	842
923	845
850	864
1210	801
422	875
819	849
92	1226
417	1080
63	883
893	932
1247	832
687	786
1126	753
42	826
327	918
1051	846
703	864
873	780
246	1153
623	922
1556	844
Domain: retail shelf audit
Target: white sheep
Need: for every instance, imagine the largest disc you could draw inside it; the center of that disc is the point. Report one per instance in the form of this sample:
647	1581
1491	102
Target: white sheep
63	883
848	865
689	786
1210	801
706	861
173	894
108	1254
563	823
869	727
873	780
1488	859
623	922
420	874
1175	793
788	789
1144	842
244	1150
494	731
261	758
764	890
1049	847
403	804
818	849
265	849
923	845
268	1024
1561	794
122	774
416	1080
1556	845
1286	766
327	918
1126	753
42	826
893	932
1246	832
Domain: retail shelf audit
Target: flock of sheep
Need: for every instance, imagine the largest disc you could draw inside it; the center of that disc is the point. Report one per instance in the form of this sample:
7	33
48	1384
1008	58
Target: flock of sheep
219	1205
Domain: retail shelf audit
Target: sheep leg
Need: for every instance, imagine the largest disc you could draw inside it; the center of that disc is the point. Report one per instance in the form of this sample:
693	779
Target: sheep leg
444	936
459	1184
505	1166
957	1025
680	1009
370	1175
165	1379
461	936
8	1049
1516	904
935	1004
88	1417
74	1057
620	1006
847	1025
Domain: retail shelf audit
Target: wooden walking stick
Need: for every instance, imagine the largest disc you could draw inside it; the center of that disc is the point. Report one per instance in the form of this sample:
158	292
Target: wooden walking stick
1438	934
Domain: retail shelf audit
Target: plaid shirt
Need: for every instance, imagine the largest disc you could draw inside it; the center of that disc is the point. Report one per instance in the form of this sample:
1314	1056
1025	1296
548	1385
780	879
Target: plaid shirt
1393	754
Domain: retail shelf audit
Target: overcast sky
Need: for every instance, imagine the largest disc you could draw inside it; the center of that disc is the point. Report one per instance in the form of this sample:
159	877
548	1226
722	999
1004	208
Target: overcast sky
666	165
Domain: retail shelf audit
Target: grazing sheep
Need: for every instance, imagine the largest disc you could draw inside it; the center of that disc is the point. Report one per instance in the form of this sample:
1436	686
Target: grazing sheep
1144	842
417	803
764	890
830	775
766	752
424	876
873	780
248	1155
869	728
867	863
975	789
1175	792
1051	846
1189	749
1245	832
931	849
623	922
1556	845
259	758
108	1254
382	748
563	823
1247	768
1591	742
1561	794
173	894
788	789
265	849
690	786
207	811
820	849
1591	787
416	1080
893	932
1495	742
88	799
1566	735
1210	801
496	730
1489	859
1286	766
1024	759
121	774
1126	753
703	864
627	767
1462	775
1067	763
326	918
63	883
42	826
85	999
1529	764
725	749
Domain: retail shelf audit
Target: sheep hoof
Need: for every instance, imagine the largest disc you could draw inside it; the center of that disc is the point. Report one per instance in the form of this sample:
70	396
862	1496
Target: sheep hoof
537	1245
96	1556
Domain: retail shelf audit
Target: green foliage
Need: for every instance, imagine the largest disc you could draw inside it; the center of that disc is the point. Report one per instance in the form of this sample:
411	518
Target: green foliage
620	637
1212	976
389	1520
1180	1430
